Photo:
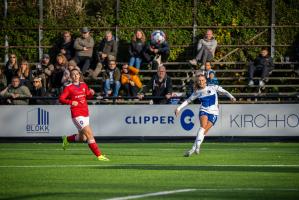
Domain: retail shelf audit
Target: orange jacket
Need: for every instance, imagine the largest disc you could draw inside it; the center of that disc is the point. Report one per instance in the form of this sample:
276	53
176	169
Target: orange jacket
131	76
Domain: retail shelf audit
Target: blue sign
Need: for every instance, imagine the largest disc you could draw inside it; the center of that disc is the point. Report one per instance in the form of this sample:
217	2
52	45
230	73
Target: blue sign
37	121
187	119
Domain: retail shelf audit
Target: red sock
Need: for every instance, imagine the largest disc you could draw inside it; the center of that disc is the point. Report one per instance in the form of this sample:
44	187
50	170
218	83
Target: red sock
72	138
94	147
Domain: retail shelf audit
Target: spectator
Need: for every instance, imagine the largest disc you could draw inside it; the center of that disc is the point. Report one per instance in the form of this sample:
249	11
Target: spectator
57	74
205	49
107	50
66	78
16	90
37	90
156	52
11	68
130	80
210	74
84	48
44	70
111	79
3	80
25	73
136	49
261	66
161	86
65	46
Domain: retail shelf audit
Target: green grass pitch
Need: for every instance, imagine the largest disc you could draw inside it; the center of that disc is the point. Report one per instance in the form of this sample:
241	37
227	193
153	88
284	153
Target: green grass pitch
150	171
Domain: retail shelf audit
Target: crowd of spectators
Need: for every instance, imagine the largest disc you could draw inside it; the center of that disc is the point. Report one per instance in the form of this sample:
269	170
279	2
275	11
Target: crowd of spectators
98	62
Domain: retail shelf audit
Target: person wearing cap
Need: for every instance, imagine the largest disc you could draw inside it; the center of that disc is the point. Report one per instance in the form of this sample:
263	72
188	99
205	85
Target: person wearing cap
83	49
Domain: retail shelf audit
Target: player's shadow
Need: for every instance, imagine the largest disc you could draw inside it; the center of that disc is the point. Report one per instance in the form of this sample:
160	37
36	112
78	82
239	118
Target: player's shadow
278	169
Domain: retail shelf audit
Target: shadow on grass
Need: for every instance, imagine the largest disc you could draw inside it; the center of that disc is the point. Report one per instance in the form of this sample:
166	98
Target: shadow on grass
278	169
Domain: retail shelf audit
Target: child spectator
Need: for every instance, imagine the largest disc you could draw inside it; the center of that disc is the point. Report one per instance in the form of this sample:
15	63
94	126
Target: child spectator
111	79
261	66
136	49
210	74
130	80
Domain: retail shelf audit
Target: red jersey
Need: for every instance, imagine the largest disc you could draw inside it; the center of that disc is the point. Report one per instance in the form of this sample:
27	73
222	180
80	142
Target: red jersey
77	93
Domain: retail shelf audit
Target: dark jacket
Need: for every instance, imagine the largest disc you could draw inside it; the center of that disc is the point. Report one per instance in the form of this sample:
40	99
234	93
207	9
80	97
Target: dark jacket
108	47
136	48
262	62
9	72
159	89
68	47
40	92
163	48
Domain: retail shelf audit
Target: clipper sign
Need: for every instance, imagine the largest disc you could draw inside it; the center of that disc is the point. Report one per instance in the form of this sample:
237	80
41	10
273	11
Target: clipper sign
151	120
37	121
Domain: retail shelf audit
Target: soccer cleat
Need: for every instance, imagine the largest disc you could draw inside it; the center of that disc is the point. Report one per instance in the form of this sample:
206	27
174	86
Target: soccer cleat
189	153
65	143
103	158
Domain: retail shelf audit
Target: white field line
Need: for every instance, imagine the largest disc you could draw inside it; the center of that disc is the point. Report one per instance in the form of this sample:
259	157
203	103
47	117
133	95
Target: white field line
202	189
152	194
162	149
133	165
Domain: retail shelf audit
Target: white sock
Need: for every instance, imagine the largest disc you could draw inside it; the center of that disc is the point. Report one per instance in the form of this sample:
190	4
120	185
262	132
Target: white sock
199	138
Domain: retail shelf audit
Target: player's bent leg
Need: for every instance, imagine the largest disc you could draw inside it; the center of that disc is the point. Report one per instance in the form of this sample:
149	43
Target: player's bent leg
92	144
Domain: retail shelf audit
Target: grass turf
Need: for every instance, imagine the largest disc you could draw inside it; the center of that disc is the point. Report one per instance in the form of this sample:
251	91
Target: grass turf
221	171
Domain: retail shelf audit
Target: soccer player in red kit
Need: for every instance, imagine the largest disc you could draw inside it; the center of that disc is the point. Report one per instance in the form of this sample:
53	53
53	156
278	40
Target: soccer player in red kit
75	95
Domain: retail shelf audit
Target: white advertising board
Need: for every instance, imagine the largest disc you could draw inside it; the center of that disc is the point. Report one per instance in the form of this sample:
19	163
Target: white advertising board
151	120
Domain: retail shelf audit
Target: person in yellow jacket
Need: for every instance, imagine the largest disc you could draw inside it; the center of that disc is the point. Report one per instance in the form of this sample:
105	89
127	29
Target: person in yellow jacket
130	80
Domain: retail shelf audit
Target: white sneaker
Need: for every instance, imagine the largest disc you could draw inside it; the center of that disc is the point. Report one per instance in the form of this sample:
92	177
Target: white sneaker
203	67
197	151
193	62
189	153
251	83
261	83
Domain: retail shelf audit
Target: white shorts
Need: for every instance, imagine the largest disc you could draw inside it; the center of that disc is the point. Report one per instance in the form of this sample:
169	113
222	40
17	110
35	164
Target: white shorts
81	122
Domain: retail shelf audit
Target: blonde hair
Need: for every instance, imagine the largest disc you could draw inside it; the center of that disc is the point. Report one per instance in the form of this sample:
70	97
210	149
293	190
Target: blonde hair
196	86
143	38
40	85
64	60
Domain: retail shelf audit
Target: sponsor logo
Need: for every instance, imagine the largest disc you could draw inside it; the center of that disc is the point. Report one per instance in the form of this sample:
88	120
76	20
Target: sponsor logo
187	119
37	121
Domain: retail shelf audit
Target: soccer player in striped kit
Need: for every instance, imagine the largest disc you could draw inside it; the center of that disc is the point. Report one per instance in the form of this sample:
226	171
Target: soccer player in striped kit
209	110
75	95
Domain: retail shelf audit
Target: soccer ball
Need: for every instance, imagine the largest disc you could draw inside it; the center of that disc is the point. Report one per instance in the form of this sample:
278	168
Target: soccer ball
158	37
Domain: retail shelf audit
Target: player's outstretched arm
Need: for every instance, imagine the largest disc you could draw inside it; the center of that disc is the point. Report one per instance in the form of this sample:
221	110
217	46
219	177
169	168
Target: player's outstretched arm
229	95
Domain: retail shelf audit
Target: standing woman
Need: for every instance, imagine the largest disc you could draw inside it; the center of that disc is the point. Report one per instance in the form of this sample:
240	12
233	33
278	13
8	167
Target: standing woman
75	94
209	110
